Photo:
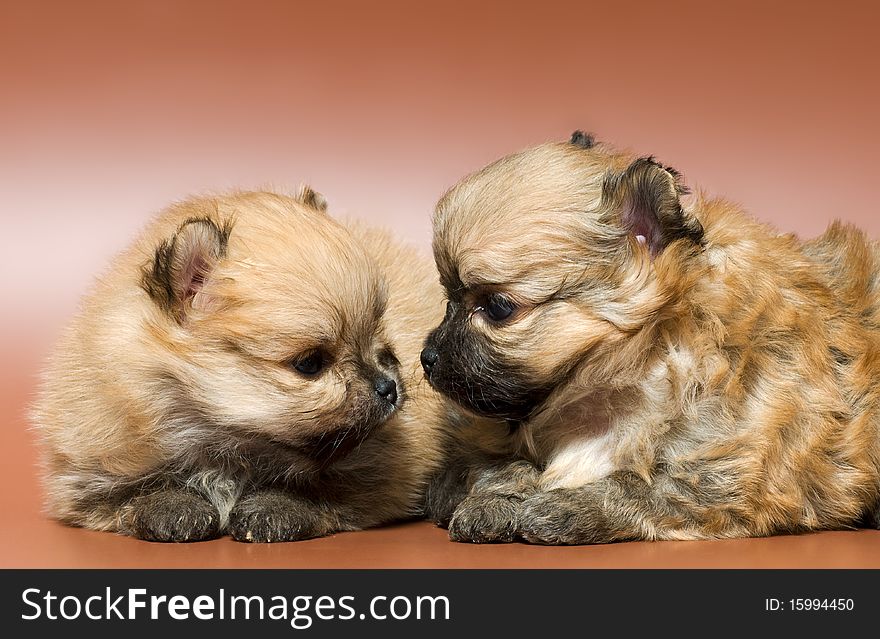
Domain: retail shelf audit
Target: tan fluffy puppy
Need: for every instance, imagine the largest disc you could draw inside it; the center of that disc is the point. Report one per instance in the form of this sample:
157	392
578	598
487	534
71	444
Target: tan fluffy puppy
672	368
243	368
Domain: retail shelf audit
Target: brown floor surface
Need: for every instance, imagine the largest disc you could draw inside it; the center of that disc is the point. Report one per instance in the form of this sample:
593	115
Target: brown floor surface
29	540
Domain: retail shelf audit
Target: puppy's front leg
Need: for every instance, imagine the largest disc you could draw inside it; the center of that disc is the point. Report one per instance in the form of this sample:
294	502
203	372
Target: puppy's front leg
618	508
446	490
274	515
491	512
172	514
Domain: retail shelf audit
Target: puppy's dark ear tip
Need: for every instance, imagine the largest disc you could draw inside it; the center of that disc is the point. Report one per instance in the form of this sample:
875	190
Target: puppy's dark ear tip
647	196
583	140
310	197
651	161
182	263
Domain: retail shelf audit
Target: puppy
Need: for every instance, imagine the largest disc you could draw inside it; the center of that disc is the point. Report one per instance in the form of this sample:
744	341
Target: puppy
670	368
248	366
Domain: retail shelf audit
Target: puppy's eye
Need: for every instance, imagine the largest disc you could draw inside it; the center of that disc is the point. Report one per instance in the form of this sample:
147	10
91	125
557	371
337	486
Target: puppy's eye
498	307
387	358
310	364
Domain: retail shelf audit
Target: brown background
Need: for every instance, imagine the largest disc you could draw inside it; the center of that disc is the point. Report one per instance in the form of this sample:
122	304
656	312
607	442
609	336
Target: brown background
110	110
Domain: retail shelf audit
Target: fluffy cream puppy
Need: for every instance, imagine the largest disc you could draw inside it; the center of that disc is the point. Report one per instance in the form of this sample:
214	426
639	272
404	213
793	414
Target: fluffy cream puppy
249	365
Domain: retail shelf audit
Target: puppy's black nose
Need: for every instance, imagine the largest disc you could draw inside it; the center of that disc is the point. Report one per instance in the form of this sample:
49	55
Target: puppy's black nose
429	357
386	389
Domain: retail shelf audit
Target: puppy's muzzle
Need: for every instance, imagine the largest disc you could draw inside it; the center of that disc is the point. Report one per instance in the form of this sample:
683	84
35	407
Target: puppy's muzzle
429	359
386	388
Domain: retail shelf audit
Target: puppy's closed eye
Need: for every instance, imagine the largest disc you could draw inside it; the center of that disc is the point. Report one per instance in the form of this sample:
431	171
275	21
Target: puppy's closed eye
310	364
497	307
387	358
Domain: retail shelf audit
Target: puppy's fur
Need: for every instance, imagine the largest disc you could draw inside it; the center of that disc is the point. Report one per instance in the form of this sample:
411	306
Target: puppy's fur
224	376
671	368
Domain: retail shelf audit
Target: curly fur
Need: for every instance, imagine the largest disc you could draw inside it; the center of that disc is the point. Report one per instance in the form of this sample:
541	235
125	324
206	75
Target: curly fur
680	370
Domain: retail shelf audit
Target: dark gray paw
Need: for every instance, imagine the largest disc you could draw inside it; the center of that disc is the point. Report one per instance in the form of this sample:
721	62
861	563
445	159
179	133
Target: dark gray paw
511	478
485	519
271	516
171	516
565	517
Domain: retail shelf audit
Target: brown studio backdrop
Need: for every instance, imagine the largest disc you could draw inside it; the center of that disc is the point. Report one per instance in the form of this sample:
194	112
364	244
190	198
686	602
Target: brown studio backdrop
109	110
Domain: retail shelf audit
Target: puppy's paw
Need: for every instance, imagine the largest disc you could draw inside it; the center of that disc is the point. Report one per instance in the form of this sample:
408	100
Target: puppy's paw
514	478
564	517
485	519
170	516
270	516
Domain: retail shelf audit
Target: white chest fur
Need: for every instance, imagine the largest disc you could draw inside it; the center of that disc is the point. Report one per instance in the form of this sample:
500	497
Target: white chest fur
575	444
582	443
579	460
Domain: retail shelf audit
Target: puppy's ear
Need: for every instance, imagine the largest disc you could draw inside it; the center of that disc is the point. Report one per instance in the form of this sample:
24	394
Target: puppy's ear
182	264
646	199
308	196
584	140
